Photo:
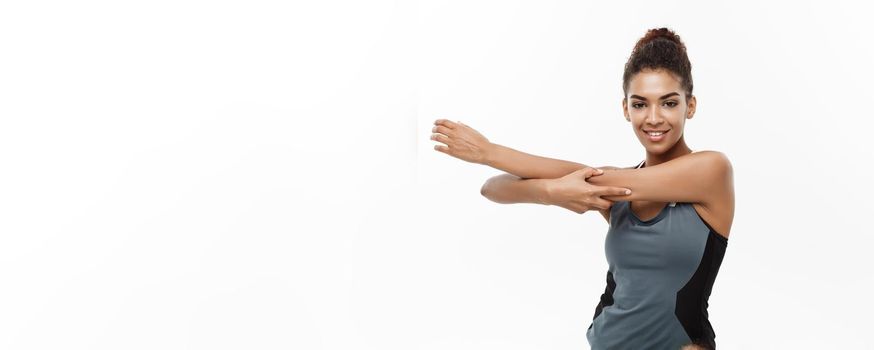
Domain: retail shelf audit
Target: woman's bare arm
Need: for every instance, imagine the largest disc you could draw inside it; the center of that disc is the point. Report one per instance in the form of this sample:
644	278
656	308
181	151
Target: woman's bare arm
465	143
528	166
699	177
509	189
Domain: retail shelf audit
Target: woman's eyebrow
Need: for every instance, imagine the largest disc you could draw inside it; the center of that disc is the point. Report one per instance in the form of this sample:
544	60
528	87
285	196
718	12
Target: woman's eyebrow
660	98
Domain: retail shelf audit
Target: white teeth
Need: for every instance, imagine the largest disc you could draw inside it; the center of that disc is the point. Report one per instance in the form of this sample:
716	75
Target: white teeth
655	133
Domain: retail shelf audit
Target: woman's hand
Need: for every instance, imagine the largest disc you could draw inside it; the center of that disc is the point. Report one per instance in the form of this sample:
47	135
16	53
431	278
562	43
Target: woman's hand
462	141
574	193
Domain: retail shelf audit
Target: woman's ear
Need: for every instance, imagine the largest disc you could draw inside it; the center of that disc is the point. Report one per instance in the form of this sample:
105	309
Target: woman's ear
625	109
691	107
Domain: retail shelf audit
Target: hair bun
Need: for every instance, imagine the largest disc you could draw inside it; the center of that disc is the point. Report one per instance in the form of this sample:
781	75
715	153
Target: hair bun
660	33
659	48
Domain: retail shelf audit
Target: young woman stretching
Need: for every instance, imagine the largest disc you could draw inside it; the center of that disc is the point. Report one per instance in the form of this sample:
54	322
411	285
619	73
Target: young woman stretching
667	236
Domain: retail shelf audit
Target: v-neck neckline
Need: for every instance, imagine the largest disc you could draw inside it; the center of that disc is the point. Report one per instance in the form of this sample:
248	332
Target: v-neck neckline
655	219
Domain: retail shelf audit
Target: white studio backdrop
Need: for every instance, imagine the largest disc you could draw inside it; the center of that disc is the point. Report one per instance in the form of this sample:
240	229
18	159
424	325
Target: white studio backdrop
782	90
259	175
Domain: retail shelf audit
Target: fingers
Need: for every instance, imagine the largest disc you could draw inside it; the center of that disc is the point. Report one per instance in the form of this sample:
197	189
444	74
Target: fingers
447	123
589	172
443	130
440	138
440	133
613	191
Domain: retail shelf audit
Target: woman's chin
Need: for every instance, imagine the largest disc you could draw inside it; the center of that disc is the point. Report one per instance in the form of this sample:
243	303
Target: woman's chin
655	149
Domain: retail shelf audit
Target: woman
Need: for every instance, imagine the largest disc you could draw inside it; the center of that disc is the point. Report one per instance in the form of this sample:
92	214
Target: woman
667	236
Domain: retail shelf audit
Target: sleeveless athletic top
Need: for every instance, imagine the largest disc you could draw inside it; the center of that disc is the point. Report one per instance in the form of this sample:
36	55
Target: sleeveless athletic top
660	275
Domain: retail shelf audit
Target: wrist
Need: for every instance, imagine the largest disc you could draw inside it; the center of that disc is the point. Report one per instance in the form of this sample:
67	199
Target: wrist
490	152
544	191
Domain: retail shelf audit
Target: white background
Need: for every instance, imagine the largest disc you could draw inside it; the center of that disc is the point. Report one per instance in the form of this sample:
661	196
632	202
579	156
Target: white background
259	175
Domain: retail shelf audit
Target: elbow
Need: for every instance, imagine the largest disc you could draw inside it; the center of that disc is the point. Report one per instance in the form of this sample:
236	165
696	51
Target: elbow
495	188
485	190
490	191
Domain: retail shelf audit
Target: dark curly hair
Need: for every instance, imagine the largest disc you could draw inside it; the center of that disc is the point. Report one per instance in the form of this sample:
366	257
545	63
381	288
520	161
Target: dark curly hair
660	48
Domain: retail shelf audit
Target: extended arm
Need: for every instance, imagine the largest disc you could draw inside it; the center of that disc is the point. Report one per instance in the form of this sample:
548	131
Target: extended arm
517	185
509	189
699	177
528	166
465	143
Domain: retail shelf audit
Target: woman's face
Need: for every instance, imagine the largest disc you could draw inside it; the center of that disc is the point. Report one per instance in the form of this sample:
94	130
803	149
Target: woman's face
657	108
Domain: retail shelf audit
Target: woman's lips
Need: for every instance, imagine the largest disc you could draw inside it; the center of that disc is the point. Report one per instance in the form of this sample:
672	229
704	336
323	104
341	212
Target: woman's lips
656	138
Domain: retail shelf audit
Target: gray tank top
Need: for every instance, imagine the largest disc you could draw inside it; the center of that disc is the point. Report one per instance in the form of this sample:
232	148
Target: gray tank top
660	275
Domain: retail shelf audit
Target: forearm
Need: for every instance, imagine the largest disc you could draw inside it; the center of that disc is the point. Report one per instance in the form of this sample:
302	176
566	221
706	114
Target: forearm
529	166
508	188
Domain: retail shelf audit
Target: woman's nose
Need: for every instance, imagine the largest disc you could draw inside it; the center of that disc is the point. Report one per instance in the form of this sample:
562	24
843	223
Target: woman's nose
653	117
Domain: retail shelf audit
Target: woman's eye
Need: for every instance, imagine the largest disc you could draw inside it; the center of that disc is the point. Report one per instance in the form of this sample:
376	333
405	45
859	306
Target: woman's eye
671	103
637	105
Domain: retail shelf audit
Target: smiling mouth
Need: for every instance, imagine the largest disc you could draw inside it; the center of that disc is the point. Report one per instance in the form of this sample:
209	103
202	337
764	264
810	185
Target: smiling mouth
656	133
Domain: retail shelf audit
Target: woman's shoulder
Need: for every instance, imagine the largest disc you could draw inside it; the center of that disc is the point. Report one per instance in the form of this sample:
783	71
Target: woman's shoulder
712	155
715	162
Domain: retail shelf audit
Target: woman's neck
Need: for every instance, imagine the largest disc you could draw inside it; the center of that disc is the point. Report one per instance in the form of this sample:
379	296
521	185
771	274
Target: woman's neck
680	149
